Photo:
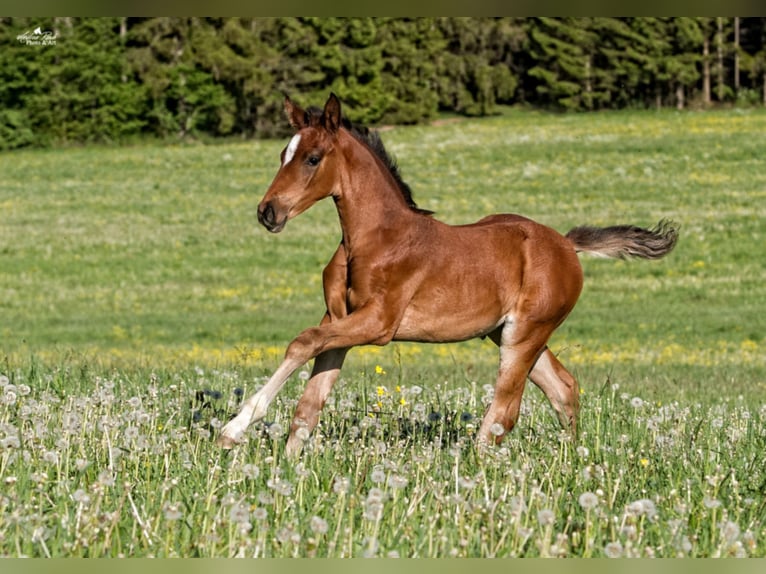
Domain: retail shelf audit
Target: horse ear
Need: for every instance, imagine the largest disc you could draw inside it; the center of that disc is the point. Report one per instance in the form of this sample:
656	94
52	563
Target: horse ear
331	114
295	114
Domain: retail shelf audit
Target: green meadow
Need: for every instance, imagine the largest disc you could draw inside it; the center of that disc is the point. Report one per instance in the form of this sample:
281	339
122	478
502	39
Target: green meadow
140	300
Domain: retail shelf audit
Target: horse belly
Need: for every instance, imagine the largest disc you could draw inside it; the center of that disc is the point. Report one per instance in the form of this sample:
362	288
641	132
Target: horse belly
432	320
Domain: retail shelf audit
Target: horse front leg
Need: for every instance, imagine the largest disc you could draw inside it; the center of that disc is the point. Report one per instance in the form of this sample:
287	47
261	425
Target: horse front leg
371	324
327	366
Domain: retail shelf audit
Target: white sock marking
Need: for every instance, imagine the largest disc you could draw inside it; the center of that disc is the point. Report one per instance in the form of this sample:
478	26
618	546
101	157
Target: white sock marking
291	148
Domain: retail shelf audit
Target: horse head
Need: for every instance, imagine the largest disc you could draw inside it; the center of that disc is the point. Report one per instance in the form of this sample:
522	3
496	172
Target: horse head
308	171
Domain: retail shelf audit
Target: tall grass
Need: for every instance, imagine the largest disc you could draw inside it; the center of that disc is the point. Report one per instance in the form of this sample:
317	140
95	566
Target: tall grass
97	464
139	302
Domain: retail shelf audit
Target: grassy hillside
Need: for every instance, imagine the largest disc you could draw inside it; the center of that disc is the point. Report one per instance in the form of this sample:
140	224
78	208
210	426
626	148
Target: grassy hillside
154	253
139	300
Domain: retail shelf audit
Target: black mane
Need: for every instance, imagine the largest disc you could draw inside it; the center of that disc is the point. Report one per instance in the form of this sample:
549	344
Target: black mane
372	140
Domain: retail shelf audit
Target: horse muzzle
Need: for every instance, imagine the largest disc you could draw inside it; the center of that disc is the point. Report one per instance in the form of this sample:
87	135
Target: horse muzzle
268	217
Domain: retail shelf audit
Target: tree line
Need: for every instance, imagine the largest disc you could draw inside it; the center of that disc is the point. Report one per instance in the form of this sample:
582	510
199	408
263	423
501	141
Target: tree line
81	80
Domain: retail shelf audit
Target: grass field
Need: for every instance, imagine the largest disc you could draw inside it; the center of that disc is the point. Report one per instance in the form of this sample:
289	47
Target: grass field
139	300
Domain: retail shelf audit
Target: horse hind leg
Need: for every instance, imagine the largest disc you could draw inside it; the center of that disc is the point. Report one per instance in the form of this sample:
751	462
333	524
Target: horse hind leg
520	347
559	386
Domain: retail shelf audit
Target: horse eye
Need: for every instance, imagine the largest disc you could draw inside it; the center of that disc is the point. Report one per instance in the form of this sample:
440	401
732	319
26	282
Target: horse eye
313	160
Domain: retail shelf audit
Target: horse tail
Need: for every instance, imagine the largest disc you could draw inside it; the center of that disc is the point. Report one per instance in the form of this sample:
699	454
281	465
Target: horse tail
623	241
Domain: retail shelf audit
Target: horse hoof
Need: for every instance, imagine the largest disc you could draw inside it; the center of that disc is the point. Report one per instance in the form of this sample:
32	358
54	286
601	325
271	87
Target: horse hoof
225	442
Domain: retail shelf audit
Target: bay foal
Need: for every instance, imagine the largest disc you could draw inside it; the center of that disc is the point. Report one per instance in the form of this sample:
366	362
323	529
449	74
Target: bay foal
402	275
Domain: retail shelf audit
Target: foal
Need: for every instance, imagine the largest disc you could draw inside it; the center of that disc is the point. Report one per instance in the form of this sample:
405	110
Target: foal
402	275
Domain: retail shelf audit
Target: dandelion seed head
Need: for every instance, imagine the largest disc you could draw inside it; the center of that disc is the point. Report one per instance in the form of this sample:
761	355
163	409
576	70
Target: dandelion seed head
397	482
239	513
545	517
51	457
318	525
275	431
636	402
613	549
711	503
106	478
378	475
730	531
588	500
171	511
81	496
466	483
251	471
497	429
341	485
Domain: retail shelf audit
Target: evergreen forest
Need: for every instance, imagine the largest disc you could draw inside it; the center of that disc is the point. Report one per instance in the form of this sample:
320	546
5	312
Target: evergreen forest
79	80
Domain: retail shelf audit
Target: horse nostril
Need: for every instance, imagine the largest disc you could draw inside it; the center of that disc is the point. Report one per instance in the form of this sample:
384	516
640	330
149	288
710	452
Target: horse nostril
266	215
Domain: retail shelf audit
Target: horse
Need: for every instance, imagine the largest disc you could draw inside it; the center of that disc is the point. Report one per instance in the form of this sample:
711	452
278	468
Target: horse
400	274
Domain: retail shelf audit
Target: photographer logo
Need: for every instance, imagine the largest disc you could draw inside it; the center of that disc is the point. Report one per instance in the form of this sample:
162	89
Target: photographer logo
37	37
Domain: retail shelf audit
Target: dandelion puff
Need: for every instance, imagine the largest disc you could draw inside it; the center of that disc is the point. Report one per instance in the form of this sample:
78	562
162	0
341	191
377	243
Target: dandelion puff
275	431
497	429
376	494
613	549
373	510
51	457
284	488
171	511
588	500
251	471
341	485
466	483
106	478
545	517
636	402
81	497
730	531
318	525
260	513
378	475
396	481
239	513
711	503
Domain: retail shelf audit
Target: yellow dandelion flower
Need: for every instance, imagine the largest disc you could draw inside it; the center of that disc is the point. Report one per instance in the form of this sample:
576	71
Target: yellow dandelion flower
644	462
379	370
402	401
380	390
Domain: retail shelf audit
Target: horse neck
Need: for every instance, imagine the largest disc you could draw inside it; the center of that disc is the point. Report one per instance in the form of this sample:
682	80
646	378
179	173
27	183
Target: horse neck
369	200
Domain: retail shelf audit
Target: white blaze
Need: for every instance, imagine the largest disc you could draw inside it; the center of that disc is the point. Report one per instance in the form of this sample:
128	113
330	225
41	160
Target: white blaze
291	147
